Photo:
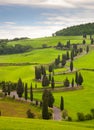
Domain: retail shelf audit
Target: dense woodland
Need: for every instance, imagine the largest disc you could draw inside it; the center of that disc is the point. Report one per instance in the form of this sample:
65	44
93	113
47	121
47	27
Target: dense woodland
77	30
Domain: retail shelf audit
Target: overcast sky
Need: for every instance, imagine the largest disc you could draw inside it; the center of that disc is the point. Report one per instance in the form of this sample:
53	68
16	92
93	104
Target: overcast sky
39	18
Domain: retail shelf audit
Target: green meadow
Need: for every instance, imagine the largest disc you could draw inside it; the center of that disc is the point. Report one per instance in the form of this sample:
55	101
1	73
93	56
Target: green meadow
75	101
32	124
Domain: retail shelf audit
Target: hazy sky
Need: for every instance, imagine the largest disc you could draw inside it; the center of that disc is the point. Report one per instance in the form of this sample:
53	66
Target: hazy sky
39	18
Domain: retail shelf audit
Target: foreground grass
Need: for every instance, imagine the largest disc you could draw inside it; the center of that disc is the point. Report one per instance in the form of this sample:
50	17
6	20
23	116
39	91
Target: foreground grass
30	124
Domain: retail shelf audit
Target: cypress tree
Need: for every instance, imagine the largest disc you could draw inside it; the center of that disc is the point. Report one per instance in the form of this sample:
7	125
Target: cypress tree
84	41
80	79
26	92
67	55
62	104
66	83
92	41
50	68
52	83
50	77
87	49
76	78
72	55
50	99
20	88
72	83
45	114
8	89
31	93
45	81
71	65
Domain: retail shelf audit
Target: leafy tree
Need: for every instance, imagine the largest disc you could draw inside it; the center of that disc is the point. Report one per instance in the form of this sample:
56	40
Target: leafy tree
31	93
20	88
26	92
71	65
62	104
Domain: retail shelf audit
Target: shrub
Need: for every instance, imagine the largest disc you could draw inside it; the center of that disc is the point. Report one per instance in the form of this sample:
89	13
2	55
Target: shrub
80	116
50	113
88	117
92	111
69	118
30	114
65	114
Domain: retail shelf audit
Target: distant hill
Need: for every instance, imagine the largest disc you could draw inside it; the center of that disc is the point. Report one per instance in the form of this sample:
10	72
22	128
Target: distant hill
77	30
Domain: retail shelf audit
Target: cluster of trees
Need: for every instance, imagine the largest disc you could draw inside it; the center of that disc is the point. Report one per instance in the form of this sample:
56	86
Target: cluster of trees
9	49
21	88
40	75
78	80
77	30
61	46
7	87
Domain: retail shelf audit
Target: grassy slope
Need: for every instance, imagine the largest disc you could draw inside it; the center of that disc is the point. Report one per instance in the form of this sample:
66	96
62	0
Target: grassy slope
29	124
12	108
74	101
50	41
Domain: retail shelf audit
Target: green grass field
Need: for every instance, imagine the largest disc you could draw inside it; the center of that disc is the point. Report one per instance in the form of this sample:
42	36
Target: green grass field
30	124
75	101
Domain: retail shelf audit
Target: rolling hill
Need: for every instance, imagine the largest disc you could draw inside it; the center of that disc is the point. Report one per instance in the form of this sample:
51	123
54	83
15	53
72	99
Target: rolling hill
82	29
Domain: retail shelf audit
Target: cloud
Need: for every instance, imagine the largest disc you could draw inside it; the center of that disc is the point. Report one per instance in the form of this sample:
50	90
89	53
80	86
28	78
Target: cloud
27	31
53	3
42	3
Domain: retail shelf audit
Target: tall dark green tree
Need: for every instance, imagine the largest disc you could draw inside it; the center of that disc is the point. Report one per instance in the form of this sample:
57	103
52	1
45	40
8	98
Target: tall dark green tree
50	68
63	62
76	78
92	41
71	65
45	113
37	73
62	104
9	89
50	77
52	83
45	81
72	55
66	83
84	41
87	49
20	88
80	79
72	83
26	92
50	99
67	55
31	93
